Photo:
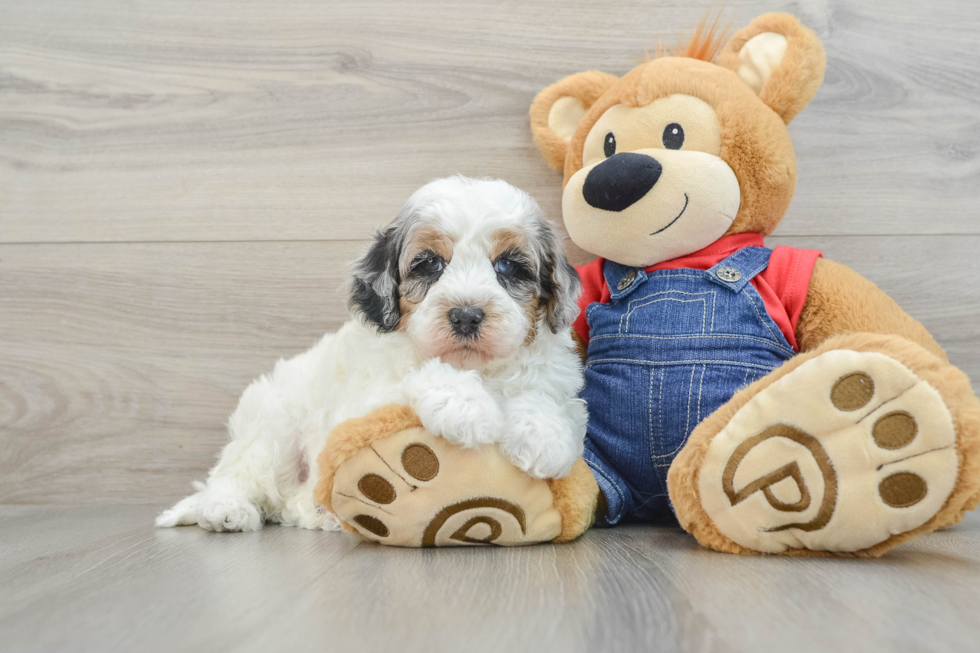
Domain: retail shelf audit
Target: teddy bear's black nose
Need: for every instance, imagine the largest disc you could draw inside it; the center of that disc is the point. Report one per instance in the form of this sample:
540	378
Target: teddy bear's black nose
621	180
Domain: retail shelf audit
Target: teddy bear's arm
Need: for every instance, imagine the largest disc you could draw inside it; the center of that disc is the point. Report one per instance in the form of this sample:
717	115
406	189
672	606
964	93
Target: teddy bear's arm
839	300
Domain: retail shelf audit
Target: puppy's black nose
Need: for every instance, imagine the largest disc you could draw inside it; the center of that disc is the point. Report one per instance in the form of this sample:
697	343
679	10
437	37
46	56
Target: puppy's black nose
466	320
621	180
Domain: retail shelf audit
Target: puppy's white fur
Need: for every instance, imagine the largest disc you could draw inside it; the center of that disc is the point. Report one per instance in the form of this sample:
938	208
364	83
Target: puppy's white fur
514	383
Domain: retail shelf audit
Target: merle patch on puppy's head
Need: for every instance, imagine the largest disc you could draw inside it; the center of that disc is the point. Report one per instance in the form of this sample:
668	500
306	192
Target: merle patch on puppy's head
468	269
559	281
374	283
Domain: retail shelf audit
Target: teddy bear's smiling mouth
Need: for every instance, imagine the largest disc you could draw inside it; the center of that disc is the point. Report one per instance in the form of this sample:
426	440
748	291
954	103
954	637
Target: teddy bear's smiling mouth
686	199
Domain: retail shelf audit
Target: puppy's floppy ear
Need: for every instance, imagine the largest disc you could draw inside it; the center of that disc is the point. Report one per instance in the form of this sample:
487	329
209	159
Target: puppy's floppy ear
780	59
558	109
559	281
374	283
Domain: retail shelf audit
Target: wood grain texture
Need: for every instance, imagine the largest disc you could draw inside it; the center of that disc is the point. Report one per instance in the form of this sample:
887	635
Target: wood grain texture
121	363
181	186
222	120
182	183
102	579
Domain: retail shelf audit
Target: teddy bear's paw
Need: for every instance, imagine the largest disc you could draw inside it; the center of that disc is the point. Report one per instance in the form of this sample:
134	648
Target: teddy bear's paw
401	485
843	453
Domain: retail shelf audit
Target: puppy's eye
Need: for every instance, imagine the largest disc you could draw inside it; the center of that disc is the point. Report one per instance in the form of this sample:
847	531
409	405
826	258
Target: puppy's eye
609	144
505	267
431	264
673	137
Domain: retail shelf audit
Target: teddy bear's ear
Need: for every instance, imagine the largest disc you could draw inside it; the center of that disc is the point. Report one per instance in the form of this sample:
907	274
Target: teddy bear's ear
781	60
558	109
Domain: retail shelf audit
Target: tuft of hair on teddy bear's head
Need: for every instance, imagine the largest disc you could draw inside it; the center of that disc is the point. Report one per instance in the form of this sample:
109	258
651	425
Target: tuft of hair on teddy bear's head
682	150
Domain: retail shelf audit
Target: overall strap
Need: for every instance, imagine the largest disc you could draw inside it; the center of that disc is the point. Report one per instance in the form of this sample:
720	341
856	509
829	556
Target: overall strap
738	269
621	279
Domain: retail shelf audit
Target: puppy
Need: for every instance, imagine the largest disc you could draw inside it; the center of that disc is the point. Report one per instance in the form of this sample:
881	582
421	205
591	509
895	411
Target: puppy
464	305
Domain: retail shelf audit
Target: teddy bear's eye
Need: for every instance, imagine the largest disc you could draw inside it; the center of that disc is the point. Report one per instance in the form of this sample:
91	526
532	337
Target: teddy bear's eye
609	145
673	137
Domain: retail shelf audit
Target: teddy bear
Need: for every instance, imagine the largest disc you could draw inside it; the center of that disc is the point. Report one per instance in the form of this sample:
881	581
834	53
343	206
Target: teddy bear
769	400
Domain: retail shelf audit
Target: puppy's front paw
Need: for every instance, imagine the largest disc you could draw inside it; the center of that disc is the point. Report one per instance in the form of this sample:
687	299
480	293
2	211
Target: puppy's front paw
455	405
544	448
462	417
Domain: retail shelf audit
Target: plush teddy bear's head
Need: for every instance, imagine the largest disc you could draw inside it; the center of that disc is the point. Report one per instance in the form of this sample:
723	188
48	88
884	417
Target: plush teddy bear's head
681	151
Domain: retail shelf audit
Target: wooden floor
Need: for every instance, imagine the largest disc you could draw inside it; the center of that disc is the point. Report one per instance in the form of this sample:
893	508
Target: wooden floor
102	579
181	185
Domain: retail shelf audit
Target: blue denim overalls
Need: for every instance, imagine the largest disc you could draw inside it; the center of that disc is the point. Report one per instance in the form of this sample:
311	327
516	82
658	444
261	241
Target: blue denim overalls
669	348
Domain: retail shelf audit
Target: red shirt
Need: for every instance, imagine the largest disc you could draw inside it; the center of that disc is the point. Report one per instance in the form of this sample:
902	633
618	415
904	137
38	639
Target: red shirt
782	285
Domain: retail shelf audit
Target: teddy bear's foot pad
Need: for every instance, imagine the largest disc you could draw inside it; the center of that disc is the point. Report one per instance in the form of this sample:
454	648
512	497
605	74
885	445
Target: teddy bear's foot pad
414	489
841	454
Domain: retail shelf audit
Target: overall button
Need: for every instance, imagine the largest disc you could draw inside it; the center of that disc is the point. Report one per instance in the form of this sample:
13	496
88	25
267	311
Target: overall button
625	282
731	275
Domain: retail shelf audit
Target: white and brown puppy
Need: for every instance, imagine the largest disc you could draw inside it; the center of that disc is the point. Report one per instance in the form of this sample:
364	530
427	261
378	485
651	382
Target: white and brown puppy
465	303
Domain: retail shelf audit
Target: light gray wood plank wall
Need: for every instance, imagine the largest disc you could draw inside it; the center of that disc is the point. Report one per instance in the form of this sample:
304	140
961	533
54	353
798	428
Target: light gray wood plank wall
267	120
182	183
121	363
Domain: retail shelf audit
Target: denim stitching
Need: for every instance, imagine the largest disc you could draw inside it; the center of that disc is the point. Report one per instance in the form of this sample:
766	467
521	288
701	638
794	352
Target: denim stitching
631	361
700	390
630	306
629	313
725	336
667	292
660	402
662	273
690	392
763	321
714	296
590	309
650	409
657	457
